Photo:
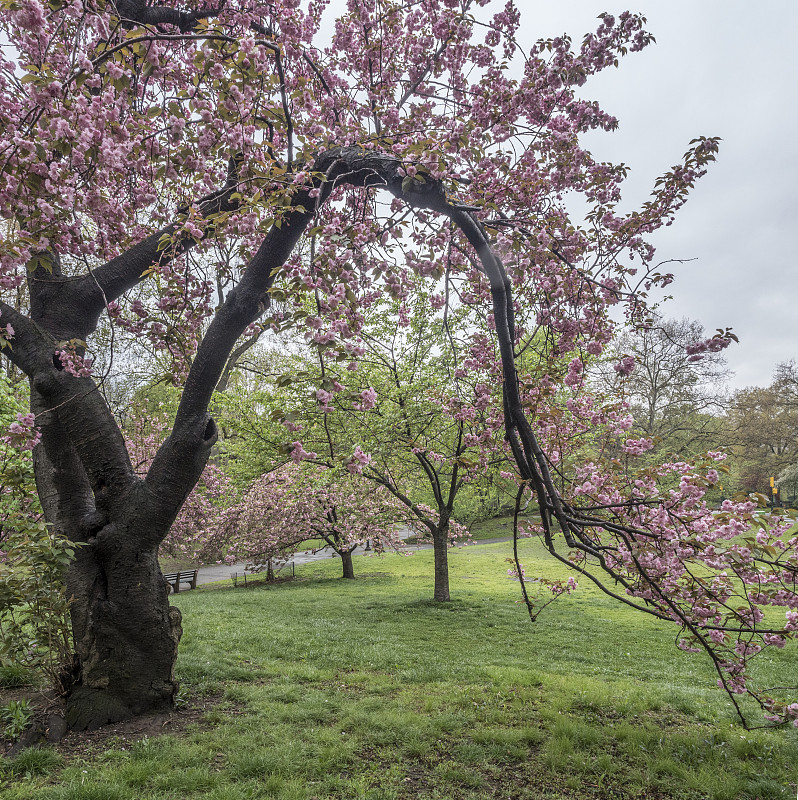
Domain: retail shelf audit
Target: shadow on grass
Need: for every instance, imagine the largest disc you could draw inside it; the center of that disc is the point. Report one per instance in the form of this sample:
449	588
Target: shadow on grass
451	606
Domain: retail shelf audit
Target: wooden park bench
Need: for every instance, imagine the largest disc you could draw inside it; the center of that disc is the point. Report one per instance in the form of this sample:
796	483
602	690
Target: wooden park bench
174	579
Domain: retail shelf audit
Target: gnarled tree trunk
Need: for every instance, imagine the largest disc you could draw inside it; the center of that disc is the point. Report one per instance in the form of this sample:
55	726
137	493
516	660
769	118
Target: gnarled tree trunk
125	633
126	636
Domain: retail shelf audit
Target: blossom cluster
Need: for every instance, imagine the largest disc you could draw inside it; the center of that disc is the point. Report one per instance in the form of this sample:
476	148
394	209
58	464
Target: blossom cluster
23	433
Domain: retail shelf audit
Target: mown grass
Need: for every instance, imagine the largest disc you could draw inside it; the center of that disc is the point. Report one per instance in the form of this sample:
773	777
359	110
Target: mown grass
366	689
493	528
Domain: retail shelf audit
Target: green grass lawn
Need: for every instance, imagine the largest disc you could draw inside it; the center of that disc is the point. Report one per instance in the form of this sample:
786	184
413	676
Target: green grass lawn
487	529
366	689
494	528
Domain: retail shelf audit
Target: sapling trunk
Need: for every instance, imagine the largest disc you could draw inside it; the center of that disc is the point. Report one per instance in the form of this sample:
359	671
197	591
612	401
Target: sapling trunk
440	546
346	563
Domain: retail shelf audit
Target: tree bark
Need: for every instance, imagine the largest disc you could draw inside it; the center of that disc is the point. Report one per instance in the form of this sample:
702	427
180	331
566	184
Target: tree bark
440	547
346	563
124	631
126	634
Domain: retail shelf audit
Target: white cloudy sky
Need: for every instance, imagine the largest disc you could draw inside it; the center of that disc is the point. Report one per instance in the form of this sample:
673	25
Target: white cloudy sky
724	68
719	68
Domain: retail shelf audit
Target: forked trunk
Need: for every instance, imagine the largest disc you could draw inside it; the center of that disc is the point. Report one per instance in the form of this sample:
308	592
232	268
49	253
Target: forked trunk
125	633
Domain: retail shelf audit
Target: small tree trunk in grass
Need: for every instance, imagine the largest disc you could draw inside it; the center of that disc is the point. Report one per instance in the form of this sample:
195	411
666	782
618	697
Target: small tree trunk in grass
269	570
346	561
440	546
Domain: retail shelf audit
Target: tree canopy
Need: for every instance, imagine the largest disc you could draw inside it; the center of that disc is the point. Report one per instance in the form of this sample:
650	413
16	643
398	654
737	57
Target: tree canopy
184	177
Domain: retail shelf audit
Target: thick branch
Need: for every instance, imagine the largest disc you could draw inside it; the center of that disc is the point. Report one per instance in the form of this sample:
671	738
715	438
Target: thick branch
180	460
81	410
138	11
248	300
74	305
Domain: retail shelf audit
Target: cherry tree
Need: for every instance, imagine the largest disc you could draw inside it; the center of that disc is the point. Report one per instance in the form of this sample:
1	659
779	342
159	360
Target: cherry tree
405	421
191	148
296	503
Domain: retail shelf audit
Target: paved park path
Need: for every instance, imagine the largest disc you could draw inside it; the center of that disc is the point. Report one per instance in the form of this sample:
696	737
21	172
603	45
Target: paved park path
220	572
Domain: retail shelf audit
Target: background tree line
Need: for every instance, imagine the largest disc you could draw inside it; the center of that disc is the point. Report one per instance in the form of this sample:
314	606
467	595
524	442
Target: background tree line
686	406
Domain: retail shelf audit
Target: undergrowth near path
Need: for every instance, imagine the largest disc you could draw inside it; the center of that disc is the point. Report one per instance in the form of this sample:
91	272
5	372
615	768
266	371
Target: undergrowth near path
366	690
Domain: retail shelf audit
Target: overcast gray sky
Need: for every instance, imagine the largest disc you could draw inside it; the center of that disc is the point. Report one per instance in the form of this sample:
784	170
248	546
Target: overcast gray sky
724	68
719	68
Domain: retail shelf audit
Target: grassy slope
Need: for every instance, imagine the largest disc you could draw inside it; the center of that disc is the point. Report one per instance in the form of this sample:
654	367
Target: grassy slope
493	528
366	689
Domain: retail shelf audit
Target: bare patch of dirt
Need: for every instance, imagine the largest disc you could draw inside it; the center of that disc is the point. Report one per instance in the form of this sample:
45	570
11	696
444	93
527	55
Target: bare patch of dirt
35	697
117	736
40	702
121	735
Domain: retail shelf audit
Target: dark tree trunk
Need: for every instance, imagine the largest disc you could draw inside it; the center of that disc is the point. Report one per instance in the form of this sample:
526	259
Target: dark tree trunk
440	546
269	571
346	563
126	634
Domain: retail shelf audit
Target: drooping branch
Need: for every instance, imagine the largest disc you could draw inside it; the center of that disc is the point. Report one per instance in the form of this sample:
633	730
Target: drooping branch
642	587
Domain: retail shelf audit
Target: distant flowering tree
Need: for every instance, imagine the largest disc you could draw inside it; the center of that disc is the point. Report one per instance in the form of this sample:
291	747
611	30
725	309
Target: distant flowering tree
190	534
426	431
283	509
189	149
